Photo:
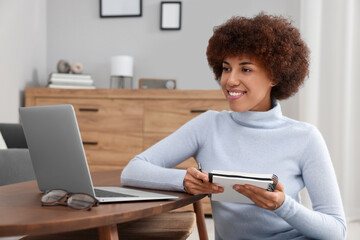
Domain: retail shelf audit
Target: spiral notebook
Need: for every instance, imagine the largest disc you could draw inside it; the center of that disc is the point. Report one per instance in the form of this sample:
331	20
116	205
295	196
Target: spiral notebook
228	179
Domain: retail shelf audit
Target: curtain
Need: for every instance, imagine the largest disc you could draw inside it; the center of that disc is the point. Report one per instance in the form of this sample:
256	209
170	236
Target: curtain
330	98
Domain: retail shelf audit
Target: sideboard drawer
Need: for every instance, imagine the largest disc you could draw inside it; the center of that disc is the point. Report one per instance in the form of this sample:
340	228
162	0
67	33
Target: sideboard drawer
167	116
108	151
99	160
103	114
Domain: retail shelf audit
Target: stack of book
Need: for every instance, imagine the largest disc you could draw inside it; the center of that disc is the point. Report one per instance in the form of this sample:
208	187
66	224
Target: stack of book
67	80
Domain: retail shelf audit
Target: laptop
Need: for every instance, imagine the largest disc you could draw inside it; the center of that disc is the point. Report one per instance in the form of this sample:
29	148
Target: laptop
58	156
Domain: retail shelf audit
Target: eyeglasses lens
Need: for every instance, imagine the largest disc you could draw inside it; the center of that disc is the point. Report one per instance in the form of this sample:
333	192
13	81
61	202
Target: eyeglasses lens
53	196
81	201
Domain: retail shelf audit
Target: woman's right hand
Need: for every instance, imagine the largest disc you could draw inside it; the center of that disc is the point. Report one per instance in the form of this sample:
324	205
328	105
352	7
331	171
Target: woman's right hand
196	182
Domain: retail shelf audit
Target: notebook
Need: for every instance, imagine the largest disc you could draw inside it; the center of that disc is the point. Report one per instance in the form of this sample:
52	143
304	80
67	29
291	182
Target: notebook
228	179
59	159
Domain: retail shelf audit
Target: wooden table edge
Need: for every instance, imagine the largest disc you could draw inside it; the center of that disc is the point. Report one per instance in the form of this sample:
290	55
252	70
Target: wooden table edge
104	223
108	220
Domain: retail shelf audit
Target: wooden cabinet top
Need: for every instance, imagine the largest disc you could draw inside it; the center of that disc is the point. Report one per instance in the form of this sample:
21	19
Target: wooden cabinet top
125	93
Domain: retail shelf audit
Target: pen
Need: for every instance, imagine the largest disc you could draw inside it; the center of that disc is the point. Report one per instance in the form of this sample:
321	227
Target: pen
200	169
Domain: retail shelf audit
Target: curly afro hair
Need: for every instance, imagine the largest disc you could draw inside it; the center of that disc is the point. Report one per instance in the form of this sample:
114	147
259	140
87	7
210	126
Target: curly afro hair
270	39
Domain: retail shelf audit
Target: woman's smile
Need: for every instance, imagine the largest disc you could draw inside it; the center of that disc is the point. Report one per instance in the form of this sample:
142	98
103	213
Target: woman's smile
234	94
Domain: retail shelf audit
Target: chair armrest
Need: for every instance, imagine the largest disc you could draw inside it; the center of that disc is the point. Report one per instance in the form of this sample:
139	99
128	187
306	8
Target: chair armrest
15	166
13	135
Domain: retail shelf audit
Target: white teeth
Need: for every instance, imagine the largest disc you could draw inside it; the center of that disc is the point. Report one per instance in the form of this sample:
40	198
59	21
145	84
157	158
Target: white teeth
236	93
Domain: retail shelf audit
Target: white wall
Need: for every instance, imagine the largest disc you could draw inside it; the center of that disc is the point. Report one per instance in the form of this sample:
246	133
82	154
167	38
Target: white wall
22	52
75	32
36	34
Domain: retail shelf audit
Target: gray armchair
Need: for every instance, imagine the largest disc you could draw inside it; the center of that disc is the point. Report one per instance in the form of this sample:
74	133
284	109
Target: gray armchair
15	162
13	135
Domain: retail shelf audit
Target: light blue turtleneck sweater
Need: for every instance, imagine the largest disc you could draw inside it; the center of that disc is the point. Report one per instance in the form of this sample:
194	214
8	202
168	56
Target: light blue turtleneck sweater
255	142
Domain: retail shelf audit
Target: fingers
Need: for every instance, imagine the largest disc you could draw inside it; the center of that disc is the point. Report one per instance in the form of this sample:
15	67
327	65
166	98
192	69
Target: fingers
279	187
197	174
196	182
261	197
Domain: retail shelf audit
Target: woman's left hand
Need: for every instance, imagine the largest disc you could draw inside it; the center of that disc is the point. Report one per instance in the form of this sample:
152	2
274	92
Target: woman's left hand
261	197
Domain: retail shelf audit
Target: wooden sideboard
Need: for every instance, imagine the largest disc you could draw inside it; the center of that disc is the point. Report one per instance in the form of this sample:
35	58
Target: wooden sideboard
117	124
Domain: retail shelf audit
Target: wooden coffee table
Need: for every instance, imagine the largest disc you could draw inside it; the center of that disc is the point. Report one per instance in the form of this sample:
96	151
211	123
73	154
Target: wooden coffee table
21	212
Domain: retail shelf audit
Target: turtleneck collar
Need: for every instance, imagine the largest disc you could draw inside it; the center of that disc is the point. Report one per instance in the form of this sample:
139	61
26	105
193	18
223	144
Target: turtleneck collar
272	118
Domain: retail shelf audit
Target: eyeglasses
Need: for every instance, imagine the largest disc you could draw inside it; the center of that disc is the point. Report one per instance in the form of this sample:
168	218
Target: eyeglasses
74	200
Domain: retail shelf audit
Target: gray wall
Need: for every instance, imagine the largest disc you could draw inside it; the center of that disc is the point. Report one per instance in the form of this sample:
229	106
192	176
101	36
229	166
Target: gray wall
35	34
76	32
22	52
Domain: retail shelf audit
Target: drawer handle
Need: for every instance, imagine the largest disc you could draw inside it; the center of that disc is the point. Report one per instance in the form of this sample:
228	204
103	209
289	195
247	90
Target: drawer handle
197	111
88	109
90	143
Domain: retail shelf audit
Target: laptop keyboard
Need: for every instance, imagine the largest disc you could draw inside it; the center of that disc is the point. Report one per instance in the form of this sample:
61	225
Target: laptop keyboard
105	194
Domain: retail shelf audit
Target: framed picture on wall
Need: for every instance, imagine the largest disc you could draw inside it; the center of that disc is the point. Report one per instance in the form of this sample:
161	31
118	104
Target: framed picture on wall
120	8
170	17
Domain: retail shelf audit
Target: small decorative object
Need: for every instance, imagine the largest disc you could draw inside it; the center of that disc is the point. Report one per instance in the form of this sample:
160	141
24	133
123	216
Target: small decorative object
146	83
77	68
63	66
121	71
120	8
170	17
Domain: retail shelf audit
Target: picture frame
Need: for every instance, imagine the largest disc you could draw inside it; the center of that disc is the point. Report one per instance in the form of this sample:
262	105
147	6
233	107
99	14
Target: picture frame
170	15
120	8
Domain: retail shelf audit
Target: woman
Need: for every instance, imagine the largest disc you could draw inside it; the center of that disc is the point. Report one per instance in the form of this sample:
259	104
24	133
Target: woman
258	61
